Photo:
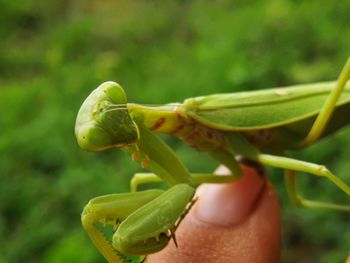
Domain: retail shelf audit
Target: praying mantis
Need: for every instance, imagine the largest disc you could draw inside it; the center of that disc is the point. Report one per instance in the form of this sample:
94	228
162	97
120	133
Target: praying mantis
260	126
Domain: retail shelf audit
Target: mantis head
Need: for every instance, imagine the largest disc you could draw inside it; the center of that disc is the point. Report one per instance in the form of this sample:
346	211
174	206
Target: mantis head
104	121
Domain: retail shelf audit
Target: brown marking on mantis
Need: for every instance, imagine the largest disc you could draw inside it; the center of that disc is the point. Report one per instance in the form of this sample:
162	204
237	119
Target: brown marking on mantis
178	128
192	120
180	119
261	133
269	136
209	135
135	155
265	135
192	135
158	124
178	116
195	146
145	163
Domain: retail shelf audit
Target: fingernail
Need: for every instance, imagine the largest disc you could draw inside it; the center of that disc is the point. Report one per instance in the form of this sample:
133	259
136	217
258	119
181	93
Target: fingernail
229	204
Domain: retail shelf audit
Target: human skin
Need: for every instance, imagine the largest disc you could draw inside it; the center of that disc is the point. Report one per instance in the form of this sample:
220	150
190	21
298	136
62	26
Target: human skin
236	222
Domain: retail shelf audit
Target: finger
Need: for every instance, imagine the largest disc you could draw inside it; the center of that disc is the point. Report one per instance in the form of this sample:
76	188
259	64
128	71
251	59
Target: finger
237	222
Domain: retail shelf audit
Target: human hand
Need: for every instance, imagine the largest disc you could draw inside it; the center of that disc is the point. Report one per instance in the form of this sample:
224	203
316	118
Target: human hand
236	222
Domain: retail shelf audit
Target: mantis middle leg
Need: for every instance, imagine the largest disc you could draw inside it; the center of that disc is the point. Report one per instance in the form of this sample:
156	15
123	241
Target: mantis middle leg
220	155
197	179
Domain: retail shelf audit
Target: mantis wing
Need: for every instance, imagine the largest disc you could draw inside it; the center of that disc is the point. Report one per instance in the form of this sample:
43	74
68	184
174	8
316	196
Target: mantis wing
264	109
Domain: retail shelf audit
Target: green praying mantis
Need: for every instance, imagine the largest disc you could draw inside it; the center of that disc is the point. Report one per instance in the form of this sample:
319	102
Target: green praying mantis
260	126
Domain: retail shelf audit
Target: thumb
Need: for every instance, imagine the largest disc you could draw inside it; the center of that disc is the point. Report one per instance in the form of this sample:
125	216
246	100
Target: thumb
236	222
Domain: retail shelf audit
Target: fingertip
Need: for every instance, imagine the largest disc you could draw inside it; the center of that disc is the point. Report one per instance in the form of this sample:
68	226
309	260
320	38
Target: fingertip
229	204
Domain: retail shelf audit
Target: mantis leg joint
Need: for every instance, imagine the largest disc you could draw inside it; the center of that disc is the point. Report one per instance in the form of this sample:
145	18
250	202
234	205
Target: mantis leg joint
323	171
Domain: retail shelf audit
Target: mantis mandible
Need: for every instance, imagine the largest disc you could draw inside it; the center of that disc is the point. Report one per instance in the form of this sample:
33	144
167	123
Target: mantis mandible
260	125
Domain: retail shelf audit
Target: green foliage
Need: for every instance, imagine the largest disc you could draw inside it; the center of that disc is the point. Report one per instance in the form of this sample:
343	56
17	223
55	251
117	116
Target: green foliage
53	53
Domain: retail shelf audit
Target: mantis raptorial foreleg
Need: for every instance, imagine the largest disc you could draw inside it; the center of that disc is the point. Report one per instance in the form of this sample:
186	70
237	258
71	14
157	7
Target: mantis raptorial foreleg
143	222
328	107
112	209
292	165
149	229
162	160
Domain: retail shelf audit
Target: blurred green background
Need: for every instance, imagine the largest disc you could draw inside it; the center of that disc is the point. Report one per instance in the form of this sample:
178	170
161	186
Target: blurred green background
54	53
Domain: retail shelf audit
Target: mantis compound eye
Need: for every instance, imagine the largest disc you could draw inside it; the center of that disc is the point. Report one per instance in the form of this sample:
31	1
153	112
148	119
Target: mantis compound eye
104	121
